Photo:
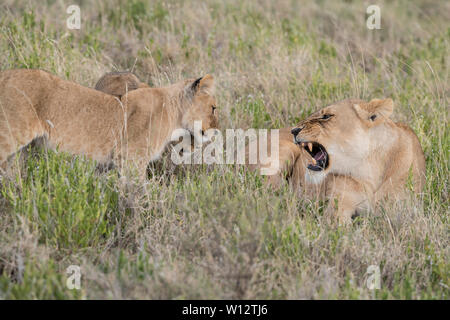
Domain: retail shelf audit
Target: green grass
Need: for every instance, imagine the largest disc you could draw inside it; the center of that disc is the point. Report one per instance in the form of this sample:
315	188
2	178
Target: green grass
72	207
196	232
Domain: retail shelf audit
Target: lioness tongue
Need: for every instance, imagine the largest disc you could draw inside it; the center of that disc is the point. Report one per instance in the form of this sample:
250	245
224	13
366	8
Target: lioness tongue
319	155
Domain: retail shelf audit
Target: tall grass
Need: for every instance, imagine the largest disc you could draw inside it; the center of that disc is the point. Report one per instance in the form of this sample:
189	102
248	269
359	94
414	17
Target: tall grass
217	231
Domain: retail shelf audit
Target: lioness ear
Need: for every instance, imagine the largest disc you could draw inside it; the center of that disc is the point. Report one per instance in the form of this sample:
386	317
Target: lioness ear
375	111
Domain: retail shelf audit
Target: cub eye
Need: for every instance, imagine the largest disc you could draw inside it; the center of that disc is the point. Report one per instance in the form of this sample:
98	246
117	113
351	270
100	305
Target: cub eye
213	109
326	116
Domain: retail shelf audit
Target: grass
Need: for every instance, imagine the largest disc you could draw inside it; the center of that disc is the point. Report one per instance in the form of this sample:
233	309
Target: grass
197	232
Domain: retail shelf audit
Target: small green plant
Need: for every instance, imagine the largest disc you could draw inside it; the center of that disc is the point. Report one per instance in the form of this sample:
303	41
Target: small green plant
69	205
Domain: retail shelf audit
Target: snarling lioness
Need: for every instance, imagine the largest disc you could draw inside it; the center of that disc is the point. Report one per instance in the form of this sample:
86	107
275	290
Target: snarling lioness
134	129
354	153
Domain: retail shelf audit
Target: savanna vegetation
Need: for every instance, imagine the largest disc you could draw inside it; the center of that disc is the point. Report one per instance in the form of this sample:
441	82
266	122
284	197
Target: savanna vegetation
197	232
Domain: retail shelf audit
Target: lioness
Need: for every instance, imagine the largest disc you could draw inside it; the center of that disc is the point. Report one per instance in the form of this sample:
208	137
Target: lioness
80	120
353	152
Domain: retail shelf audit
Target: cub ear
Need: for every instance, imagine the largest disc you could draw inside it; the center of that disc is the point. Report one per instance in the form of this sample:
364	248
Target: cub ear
203	85
376	111
143	85
118	83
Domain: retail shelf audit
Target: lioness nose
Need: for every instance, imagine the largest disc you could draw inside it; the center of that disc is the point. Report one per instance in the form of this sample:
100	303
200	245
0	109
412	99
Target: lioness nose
295	131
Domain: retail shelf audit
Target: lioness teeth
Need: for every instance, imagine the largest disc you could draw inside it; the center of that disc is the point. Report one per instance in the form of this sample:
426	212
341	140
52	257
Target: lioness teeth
310	146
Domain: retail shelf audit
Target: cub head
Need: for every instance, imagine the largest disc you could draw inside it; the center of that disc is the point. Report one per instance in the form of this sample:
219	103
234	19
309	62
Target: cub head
340	137
118	83
200	116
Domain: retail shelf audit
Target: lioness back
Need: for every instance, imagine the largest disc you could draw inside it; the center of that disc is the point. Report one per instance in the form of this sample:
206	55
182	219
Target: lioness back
418	157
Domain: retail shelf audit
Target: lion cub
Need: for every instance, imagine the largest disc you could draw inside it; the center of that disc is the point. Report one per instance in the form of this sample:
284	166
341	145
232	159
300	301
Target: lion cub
118	83
133	129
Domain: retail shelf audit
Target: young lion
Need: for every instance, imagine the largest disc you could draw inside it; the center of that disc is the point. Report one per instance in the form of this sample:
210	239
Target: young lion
353	152
88	122
118	83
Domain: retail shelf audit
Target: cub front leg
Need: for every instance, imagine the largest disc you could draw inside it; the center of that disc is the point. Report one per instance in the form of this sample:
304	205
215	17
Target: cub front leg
132	163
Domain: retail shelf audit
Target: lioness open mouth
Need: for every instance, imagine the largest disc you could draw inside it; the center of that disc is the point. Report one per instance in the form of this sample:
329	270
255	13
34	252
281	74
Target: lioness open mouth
318	153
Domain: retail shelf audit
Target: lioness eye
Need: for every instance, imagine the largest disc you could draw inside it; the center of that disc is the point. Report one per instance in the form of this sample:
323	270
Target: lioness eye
213	108
326	116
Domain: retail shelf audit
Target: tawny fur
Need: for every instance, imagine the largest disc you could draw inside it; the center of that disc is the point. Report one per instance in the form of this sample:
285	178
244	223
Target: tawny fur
118	83
370	157
84	121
